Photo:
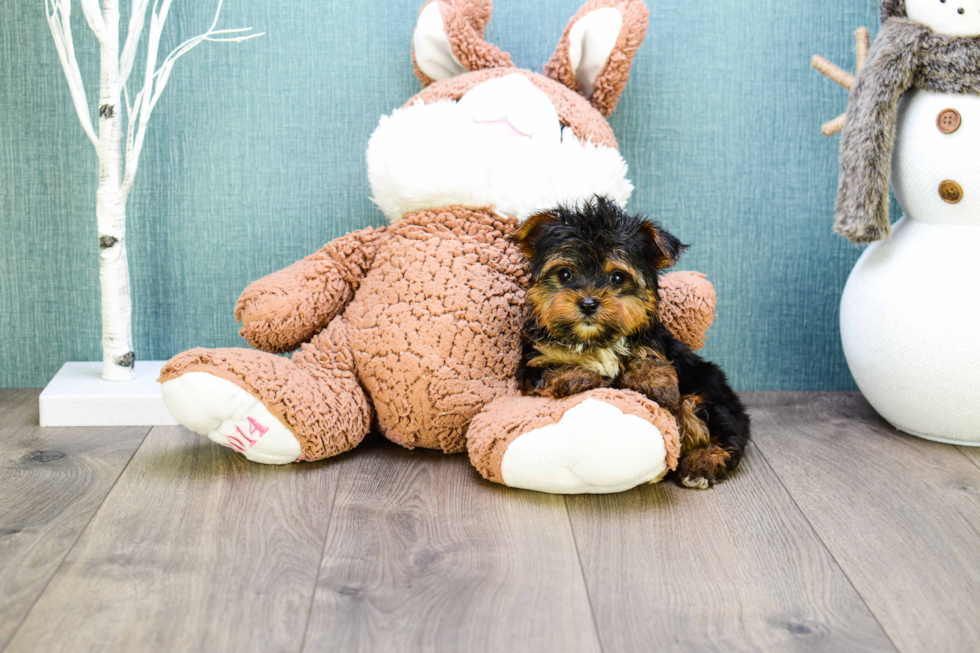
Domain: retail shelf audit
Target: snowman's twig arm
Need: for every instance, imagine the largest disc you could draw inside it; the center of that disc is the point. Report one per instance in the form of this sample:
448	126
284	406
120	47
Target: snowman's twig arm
833	71
862	42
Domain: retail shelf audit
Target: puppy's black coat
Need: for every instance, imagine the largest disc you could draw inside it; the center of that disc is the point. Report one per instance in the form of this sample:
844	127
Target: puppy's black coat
593	321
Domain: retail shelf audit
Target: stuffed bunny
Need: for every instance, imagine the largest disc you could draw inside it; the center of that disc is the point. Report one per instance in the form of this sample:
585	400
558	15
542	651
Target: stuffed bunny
413	329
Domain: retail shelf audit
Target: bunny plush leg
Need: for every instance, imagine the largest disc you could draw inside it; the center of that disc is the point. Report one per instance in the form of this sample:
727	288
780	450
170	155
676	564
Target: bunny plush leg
597	442
271	409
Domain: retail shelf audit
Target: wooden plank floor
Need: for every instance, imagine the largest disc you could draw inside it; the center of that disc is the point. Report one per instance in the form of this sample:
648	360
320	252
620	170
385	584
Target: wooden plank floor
52	481
837	534
901	515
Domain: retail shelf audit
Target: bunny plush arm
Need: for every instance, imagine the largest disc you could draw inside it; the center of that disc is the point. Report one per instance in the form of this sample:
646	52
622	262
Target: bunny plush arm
688	306
287	308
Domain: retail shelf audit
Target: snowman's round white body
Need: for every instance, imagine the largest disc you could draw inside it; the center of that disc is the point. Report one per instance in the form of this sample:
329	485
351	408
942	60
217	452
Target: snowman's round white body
910	313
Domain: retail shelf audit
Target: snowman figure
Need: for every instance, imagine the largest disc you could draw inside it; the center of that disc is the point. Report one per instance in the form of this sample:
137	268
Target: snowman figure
910	313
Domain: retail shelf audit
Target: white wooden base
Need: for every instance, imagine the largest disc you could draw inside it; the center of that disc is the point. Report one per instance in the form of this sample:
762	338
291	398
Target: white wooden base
78	396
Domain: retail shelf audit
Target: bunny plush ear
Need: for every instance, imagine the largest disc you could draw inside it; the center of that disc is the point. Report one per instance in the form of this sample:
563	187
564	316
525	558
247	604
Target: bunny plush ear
448	40
595	51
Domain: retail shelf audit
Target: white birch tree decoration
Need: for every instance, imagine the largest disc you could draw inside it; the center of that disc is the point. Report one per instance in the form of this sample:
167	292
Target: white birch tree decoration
116	173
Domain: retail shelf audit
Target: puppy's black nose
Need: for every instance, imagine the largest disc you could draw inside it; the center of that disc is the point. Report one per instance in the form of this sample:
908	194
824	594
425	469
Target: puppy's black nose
588	306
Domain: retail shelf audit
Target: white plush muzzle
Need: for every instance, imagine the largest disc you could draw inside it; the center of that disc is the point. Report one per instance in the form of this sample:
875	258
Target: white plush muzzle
501	145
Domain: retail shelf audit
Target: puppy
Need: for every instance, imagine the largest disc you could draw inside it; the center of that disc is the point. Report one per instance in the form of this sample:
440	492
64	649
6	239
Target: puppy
593	322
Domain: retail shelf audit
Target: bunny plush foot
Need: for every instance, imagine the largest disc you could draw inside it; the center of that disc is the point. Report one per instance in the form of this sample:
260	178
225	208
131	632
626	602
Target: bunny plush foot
230	416
271	409
598	442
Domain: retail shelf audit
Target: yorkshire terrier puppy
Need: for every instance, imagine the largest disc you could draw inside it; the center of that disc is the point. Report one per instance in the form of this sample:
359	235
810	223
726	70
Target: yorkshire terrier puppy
593	322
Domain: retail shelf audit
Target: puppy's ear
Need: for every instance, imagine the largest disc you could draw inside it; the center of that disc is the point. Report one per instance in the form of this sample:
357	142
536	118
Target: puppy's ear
527	236
665	246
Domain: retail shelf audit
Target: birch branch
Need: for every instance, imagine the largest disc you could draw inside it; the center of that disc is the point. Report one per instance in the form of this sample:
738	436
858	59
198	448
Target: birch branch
58	13
93	14
140	117
137	18
155	79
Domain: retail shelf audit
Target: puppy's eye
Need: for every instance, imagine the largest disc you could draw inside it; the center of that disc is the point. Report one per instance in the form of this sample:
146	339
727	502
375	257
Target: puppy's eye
564	275
617	278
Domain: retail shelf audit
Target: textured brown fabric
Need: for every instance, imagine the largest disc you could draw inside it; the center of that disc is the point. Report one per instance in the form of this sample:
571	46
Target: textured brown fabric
687	306
316	395
573	109
464	22
612	79
504	420
436	325
286	308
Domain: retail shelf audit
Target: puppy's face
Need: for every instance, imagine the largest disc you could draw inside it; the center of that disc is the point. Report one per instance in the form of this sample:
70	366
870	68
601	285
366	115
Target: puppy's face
594	272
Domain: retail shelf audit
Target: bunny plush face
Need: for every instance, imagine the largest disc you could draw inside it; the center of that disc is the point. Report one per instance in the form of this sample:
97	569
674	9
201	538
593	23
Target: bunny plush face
949	17
483	133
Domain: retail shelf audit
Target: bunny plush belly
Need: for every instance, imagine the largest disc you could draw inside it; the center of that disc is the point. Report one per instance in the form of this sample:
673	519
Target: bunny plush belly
435	326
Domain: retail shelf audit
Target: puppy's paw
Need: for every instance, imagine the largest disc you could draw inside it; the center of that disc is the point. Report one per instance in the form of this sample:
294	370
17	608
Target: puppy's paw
572	381
702	468
695	483
654	378
666	396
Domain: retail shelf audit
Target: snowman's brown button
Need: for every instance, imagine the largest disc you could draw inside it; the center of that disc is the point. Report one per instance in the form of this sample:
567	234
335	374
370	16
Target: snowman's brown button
951	192
949	121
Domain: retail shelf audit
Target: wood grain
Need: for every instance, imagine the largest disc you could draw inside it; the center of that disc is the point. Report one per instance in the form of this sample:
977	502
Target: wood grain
734	568
51	483
972	453
195	549
424	555
900	514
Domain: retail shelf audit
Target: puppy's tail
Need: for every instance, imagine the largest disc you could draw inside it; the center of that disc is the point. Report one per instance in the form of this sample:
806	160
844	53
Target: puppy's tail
694	432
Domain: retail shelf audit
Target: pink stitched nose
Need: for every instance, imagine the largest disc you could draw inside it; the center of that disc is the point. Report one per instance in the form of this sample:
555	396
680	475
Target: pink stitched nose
502	129
512	108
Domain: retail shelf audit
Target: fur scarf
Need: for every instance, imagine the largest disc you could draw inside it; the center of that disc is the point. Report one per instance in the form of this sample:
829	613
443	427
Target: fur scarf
905	55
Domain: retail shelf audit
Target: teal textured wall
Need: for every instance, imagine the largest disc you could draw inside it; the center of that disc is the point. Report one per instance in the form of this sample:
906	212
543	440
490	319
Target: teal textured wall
255	158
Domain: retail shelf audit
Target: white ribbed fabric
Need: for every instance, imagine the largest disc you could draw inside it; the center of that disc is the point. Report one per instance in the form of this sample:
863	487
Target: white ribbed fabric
925	157
910	326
